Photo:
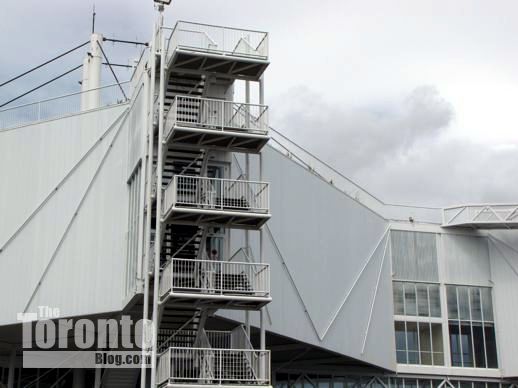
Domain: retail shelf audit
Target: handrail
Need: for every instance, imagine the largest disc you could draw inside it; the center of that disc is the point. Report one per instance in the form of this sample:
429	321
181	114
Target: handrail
217	39
212	114
64	96
216	193
216	26
58	107
216	278
482	214
219	100
200	32
252	366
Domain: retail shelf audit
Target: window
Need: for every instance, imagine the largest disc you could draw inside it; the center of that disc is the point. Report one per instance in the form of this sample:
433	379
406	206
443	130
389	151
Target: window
417	299
419	343
134	184
471	327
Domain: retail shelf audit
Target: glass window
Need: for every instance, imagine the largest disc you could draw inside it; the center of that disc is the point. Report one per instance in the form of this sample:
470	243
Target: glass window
456	353
396	383
400	342
437	345
487	304
425	344
416	299
472	332
419	343
423	308
451	296
412	340
476	308
410	299
435	300
399	302
462	294
478	345
492	359
466	345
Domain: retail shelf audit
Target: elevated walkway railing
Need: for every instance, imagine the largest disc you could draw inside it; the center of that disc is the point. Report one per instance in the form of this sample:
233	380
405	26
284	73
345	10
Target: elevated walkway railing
327	173
217	115
217	40
216	194
213	277
504	215
57	107
207	366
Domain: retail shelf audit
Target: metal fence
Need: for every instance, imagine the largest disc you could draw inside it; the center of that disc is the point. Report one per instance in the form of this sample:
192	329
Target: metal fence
483	213
216	278
213	366
217	39
217	194
217	339
57	107
218	115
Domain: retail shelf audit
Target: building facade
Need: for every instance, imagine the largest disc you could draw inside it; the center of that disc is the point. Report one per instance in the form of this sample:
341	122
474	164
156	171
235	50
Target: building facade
254	262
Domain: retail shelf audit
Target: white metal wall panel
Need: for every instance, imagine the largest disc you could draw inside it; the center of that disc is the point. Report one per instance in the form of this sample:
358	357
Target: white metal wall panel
137	126
504	267
466	260
322	240
88	270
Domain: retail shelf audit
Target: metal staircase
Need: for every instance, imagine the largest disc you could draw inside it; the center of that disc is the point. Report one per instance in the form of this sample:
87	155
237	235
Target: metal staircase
195	136
120	377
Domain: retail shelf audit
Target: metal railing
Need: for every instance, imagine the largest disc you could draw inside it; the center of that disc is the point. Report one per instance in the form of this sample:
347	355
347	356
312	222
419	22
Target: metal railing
217	339
216	194
57	107
213	366
332	176
218	115
481	214
218	40
215	278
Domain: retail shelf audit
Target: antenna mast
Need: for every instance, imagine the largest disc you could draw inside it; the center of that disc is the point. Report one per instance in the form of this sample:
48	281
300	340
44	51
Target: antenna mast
93	19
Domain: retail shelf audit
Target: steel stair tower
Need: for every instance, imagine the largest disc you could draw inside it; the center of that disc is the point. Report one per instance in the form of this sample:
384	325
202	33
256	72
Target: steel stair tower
193	202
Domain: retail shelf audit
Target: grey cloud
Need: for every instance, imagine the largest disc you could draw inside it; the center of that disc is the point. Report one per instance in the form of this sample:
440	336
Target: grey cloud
444	172
403	152
360	138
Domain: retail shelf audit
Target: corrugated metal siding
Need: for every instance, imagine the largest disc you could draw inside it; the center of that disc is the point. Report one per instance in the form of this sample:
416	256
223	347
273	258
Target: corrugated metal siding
88	270
504	268
137	126
321	241
414	256
466	260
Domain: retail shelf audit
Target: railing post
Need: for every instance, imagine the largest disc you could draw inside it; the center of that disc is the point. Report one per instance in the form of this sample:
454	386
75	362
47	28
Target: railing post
221	278
220	366
175	191
223	115
171	265
170	364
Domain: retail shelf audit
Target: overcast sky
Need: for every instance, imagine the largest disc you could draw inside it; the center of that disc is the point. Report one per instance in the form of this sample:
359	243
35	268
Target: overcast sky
412	99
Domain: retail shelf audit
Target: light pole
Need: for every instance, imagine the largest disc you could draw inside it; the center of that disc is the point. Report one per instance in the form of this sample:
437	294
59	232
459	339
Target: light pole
161	43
